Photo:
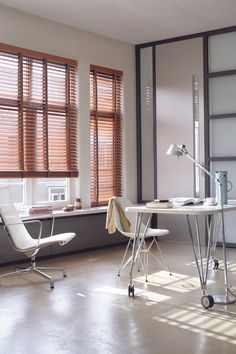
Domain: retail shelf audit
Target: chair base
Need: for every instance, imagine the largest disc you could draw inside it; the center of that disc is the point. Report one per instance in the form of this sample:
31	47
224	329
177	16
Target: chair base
34	269
145	250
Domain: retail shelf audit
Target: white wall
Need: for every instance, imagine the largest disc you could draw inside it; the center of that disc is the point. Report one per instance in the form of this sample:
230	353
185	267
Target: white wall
27	31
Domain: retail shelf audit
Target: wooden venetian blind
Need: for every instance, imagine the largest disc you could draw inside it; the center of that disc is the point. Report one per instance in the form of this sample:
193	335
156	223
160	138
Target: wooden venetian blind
38	114
105	134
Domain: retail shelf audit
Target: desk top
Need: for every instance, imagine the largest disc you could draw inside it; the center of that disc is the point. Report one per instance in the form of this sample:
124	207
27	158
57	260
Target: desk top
182	210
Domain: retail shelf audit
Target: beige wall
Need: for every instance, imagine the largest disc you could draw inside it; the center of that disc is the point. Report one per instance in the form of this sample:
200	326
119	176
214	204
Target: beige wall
22	30
176	64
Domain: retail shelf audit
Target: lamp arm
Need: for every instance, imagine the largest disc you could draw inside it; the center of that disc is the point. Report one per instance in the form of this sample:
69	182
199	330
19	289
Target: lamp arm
201	167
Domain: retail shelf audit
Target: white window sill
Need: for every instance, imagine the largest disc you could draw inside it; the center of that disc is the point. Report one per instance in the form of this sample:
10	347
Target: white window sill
61	213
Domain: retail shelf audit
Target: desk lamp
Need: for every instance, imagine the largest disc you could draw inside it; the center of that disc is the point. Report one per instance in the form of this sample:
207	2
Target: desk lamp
180	150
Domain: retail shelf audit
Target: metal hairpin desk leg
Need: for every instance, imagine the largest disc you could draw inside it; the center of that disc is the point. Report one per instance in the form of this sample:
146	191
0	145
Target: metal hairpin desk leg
198	259
136	247
224	299
136	235
208	301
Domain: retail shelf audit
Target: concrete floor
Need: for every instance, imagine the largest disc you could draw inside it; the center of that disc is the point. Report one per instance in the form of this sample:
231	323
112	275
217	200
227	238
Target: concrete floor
90	311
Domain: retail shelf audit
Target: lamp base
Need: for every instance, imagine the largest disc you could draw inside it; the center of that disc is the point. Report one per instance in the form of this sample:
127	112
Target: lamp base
224	299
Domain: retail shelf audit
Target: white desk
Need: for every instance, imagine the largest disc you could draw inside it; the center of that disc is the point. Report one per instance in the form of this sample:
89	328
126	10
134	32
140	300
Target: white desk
194	211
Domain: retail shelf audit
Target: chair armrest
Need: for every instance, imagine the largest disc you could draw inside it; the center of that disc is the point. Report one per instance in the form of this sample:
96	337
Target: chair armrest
5	226
40	227
52	227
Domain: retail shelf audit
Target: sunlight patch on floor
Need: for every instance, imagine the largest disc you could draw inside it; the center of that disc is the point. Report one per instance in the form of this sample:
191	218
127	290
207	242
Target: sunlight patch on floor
13	316
81	295
112	290
181	283
148	295
204	262
231	264
216	324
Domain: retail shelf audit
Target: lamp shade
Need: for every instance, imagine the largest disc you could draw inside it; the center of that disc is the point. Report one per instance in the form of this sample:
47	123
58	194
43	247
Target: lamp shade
174	150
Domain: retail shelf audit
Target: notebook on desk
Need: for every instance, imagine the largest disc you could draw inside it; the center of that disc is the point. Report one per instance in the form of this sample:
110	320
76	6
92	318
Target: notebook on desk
160	203
181	201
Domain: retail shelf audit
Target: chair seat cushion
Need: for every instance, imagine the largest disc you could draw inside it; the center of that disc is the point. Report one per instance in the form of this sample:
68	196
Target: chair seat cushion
62	239
150	233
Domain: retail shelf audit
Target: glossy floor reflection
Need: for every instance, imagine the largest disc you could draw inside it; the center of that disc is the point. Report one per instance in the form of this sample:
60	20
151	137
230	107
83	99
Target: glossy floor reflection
90	311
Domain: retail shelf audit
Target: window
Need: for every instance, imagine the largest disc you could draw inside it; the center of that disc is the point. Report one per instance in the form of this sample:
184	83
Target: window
52	190
38	125
38	114
105	134
16	185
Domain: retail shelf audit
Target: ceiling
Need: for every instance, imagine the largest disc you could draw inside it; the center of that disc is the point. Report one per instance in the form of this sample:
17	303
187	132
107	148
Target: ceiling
134	21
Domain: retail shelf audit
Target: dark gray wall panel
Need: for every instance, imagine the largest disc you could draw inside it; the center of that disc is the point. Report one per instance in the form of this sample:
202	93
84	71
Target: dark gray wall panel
90	230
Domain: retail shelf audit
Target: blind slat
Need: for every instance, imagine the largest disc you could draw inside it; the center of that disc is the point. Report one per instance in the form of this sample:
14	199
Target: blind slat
105	134
38	115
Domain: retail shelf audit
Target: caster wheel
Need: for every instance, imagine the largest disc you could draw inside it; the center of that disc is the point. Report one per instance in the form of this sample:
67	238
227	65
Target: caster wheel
207	301
131	290
215	264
